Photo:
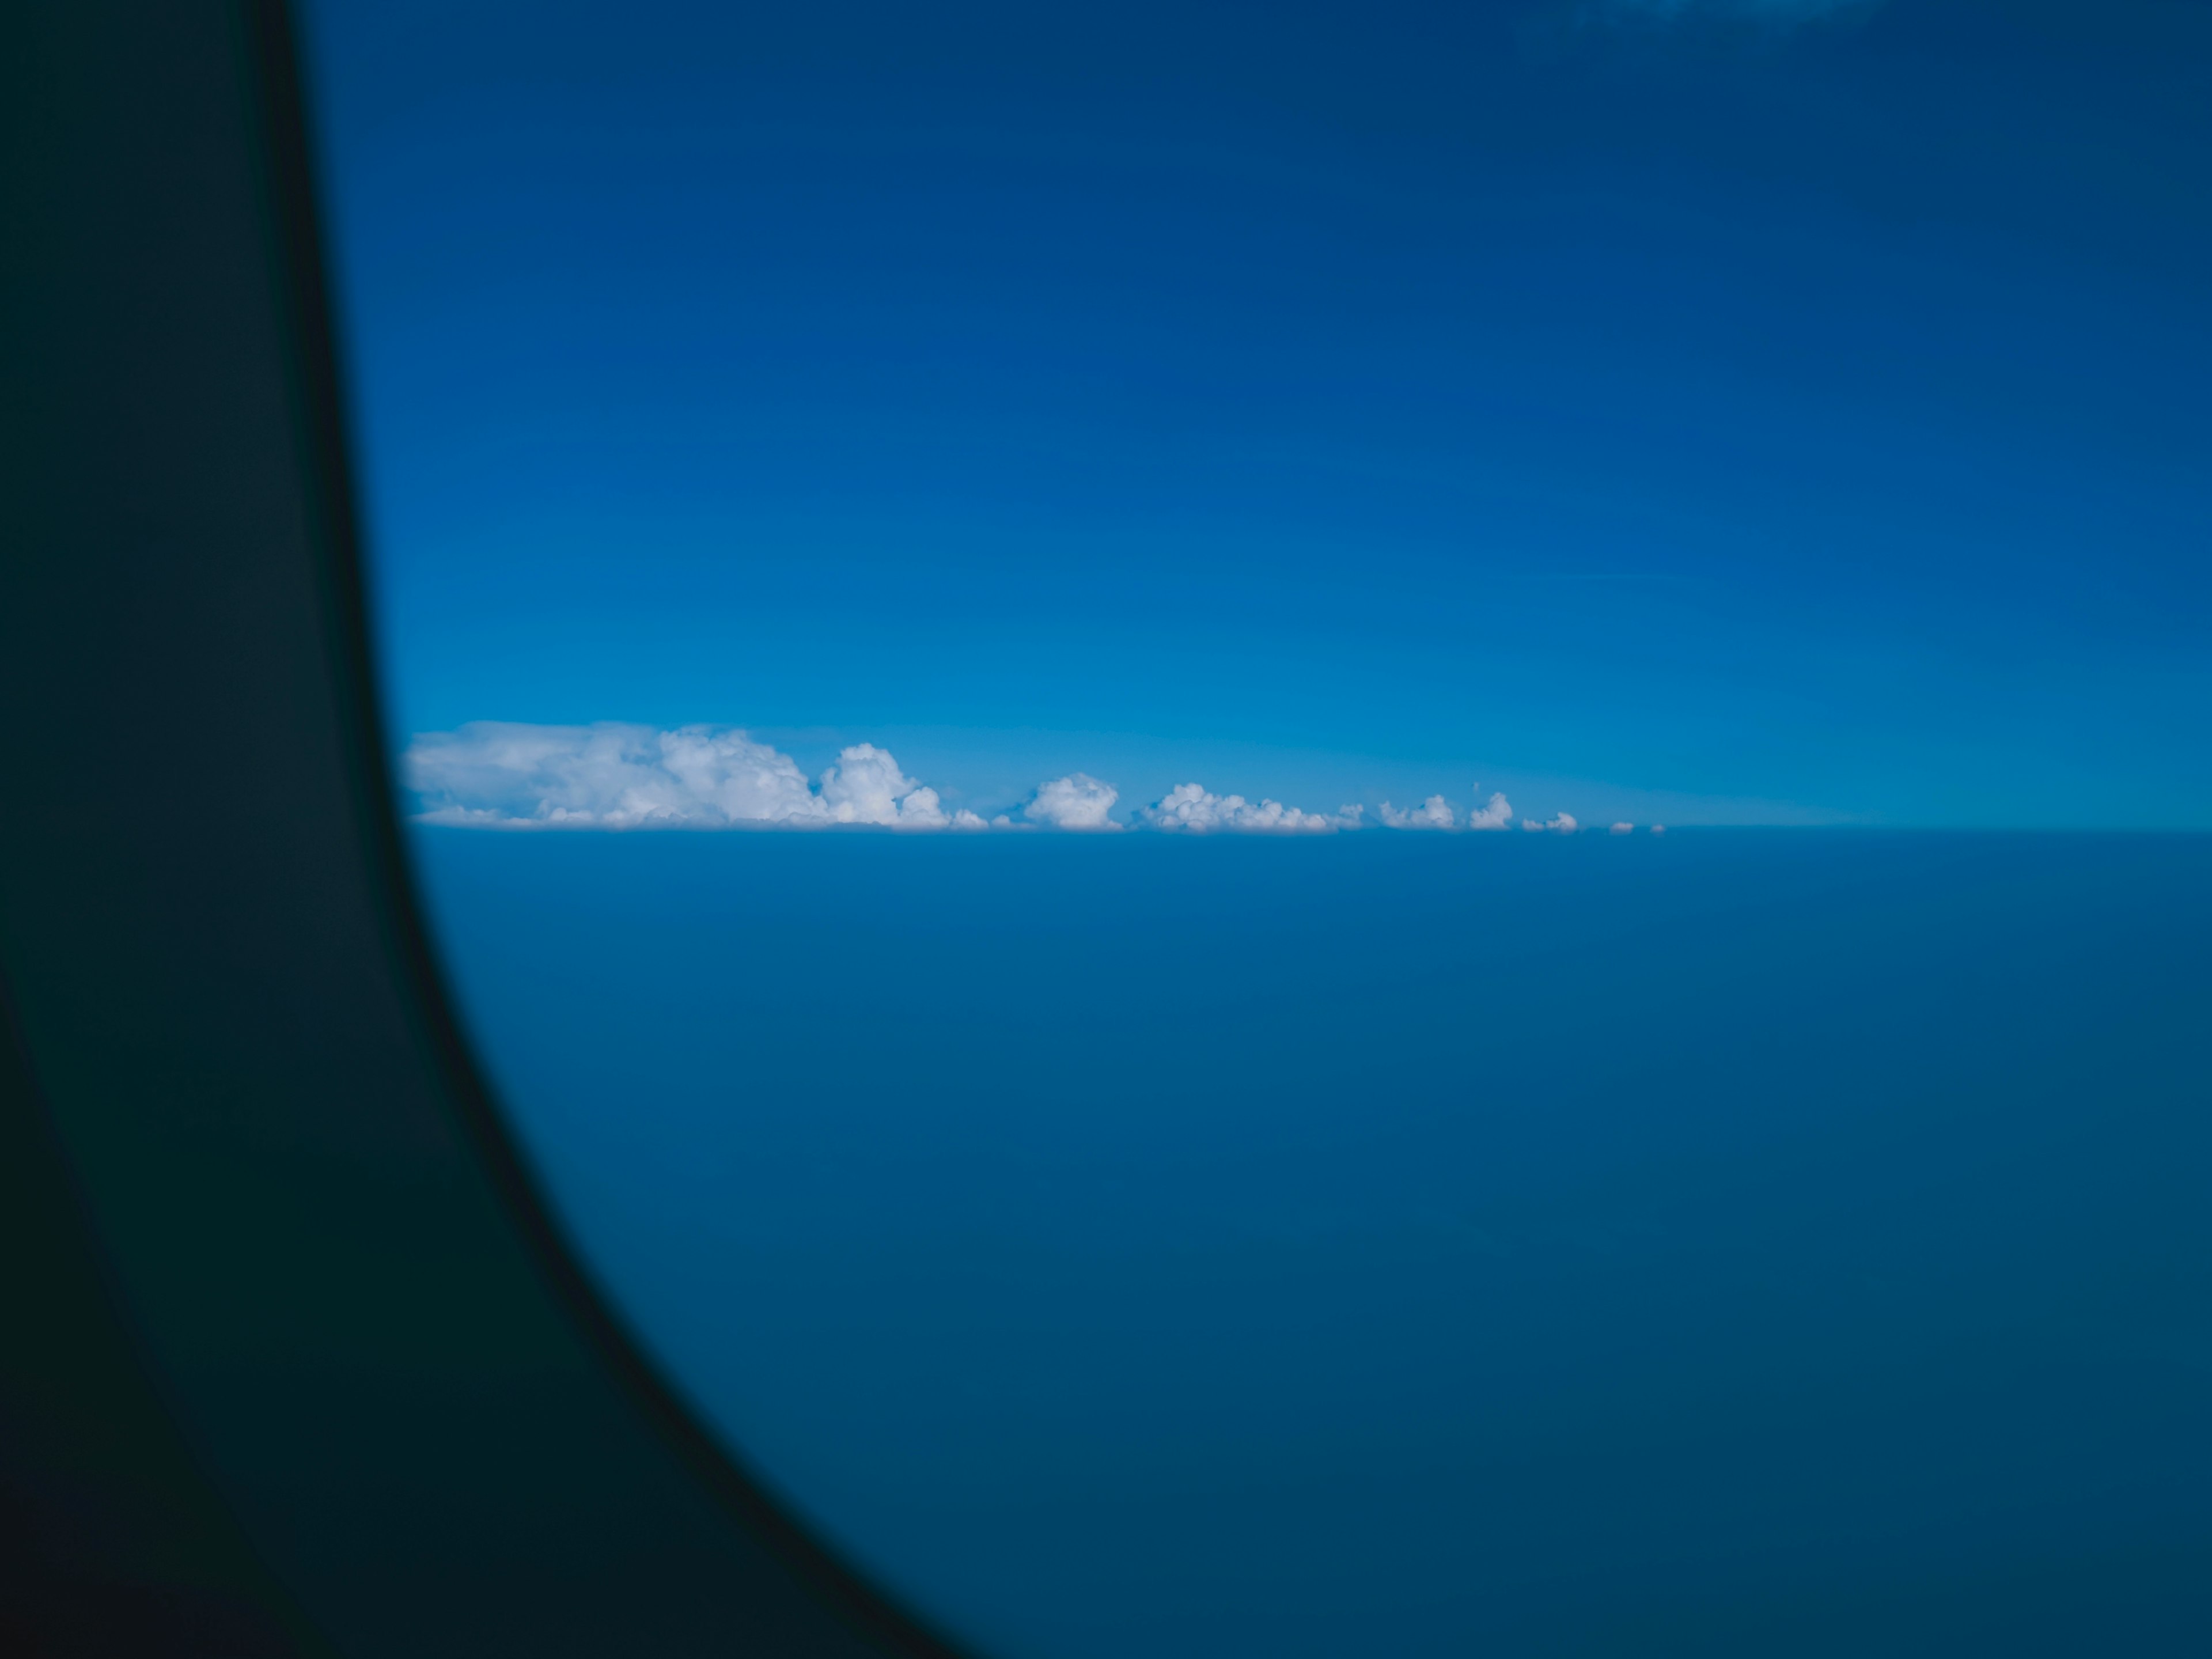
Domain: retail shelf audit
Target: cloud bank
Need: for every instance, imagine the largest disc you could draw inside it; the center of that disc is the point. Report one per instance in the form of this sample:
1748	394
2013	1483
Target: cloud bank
508	775
502	774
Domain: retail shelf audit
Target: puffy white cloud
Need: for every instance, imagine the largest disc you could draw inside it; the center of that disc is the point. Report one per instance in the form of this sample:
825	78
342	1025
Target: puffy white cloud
1437	813
867	786
1078	801
510	775
1188	806
1434	813
1624	829
497	773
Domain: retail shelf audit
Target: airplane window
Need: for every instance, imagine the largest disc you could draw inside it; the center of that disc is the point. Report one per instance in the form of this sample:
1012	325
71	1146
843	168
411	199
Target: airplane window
1337	829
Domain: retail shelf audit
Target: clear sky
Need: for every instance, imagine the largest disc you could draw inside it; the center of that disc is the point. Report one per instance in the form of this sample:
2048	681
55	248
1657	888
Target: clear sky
1722	412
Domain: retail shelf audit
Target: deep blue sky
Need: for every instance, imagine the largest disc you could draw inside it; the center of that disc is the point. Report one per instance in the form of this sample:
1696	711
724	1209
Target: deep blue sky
1710	417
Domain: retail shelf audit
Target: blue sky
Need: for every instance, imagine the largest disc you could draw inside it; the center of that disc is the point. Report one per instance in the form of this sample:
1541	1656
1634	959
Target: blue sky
1712	412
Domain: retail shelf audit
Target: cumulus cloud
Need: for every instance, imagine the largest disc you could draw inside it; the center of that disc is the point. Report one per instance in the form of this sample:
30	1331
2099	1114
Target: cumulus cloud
1437	813
1624	829
502	774
1078	801
867	786
611	775
1434	813
1188	806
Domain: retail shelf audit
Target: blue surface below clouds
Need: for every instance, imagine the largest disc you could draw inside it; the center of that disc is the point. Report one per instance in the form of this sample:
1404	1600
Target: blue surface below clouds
1746	1243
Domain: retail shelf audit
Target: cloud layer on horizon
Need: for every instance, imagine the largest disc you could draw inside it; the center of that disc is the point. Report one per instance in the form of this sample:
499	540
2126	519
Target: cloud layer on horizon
503	775
611	775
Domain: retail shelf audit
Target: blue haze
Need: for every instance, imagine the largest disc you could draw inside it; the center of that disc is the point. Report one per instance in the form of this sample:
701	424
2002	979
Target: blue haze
1747	1242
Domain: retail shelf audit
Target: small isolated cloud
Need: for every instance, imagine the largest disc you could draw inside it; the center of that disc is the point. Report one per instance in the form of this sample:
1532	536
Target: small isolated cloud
1624	829
1188	806
505	774
1078	801
1496	813
1563	824
1658	829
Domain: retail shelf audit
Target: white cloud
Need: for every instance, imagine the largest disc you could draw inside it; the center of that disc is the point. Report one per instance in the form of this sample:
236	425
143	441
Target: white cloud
502	774
1624	829
1437	813
1188	806
1658	829
611	775
867	786
1434	813
1078	801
